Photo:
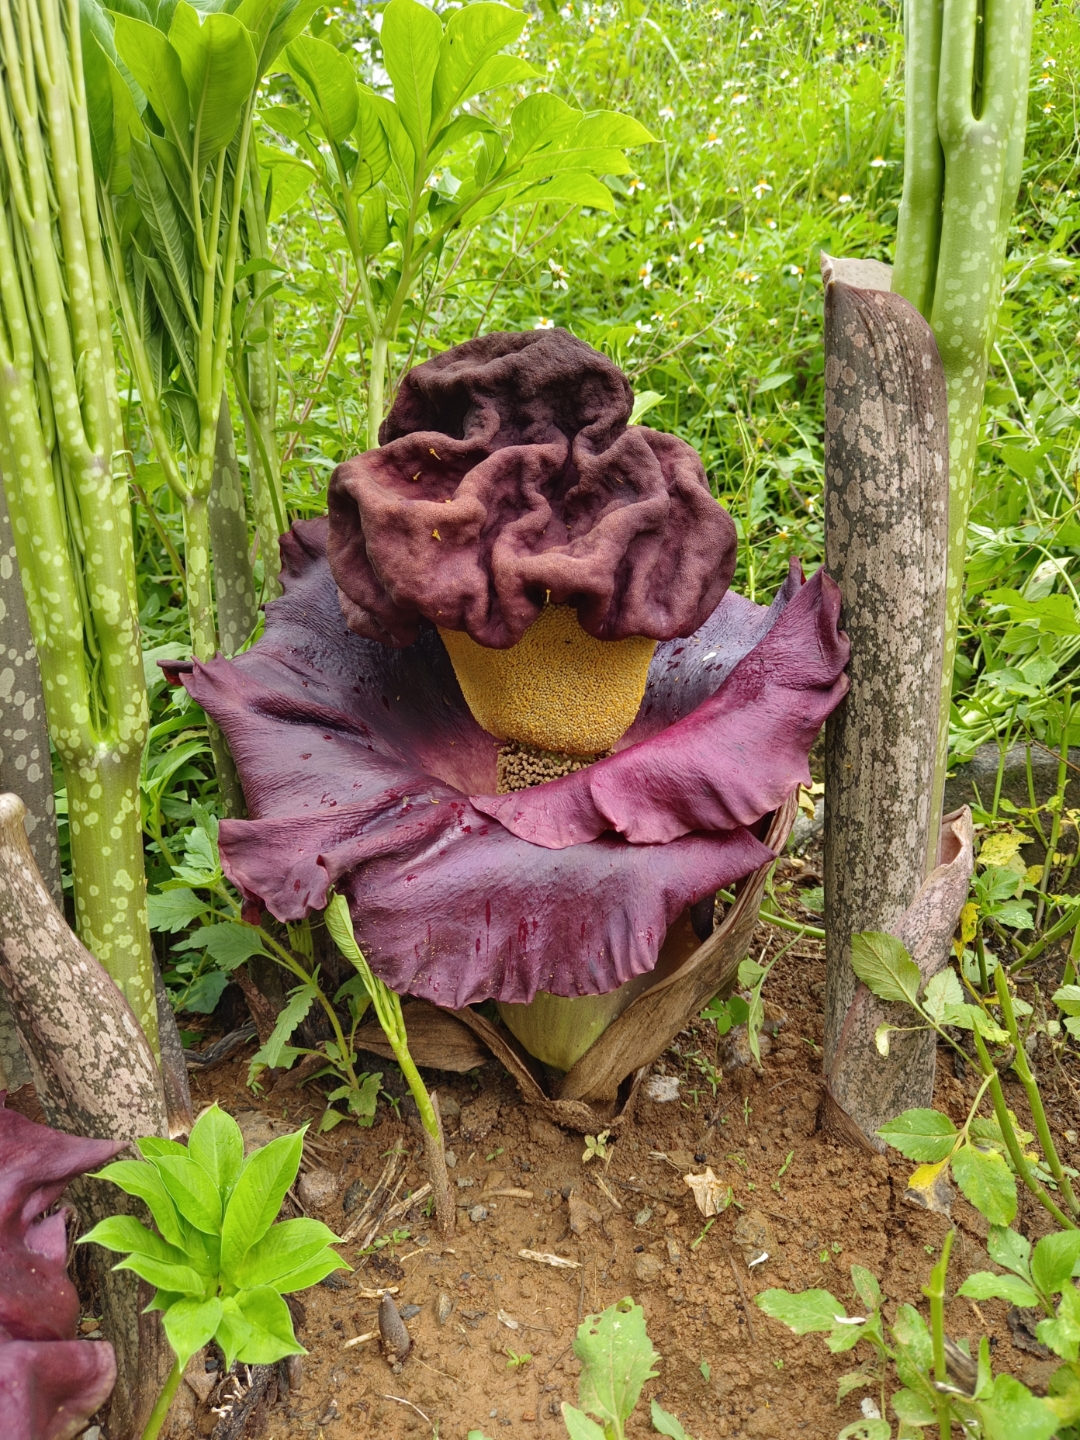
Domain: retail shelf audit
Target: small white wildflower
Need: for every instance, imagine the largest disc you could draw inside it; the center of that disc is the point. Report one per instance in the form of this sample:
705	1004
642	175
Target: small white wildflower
645	275
878	163
698	244
770	224
635	185
544	324
740	99
761	189
845	199
666	113
559	276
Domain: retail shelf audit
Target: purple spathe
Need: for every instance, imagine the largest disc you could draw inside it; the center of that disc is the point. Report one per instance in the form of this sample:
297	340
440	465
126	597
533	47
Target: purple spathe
364	769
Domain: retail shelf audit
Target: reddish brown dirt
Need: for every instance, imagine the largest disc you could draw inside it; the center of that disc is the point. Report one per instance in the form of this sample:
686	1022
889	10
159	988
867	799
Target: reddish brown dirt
726	1369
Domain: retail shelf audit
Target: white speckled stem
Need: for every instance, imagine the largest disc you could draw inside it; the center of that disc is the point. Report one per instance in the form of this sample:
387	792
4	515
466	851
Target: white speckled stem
964	148
60	447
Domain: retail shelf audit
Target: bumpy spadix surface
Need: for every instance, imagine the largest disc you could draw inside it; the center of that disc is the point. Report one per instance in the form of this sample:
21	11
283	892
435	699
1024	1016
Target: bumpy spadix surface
50	1383
558	688
364	769
508	479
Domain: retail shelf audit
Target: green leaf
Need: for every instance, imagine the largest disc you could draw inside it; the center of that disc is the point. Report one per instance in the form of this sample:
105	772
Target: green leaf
165	1275
218	64
474	35
539	120
884	966
923	1135
189	1325
579	1426
282	1250
275	25
194	1193
1067	998
156	67
610	128
1062	1334
866	1286
1014	913
326	78
617	1358
1012	1413
289	179
942	990
136	1177
573	187
126	1235
773	382
411	38
271	1335
1055	1260
168	227
665	1424
257	1196
810	1311
987	1182
217	1145
1054	614
233	1330
372	148
1009	1249
300	1002
174	910
912	1408
151	1145
230	943
985	1286
866	1430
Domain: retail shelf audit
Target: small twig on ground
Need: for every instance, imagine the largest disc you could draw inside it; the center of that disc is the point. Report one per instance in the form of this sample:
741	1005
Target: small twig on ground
400	1401
745	1302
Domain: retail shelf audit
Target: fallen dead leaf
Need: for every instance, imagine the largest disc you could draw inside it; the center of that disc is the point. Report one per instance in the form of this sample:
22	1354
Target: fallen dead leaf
711	1195
559	1262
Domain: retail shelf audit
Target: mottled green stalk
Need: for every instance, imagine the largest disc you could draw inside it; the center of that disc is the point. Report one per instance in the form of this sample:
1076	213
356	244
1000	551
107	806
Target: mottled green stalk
234	583
255	374
966	112
60	449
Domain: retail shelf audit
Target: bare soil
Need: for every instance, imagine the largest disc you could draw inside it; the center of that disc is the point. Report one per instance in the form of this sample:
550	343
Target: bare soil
474	1303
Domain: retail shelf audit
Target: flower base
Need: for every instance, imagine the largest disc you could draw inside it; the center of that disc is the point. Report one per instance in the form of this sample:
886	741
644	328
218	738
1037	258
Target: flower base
600	1088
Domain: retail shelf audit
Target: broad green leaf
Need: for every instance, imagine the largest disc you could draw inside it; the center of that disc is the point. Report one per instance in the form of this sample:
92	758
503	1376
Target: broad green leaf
1009	1249
165	1275
913	1409
167	225
282	1250
665	1424
810	1311
866	1430
579	1426
1012	1413
374	229
460	128
1067	998
326	78
942	990
271	1335
474	36
883	965
985	1286
289	179
1062	1334
1014	913
217	1145
218	64
137	1177
233	1330
913	1334
179	334
156	67
411	38
312	1271
1055	1260
503	70
539	120
616	1357
300	1002
575	187
927	1136
126	1235
372	149
151	1145
194	1193
610	128
644	401
202	996
274	25
174	910
257	1196
189	1325
230	943
987	1182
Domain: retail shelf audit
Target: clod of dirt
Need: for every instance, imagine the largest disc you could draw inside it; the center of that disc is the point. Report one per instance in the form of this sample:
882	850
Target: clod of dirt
582	1214
449	1108
674	1253
444	1308
479	1118
663	1089
754	1235
734	1052
478	1213
493	1179
395	1338
543	1132
643	1216
317	1188
259	1129
647	1268
355	1196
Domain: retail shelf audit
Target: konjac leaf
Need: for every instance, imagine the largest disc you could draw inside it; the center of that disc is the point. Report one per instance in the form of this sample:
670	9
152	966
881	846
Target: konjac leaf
884	966
328	82
194	1193
282	1250
136	1177
257	1196
805	1313
942	991
218	64
126	1235
927	1136
156	67
166	1276
474	36
617	1358
191	1324
411	38
987	1182
233	1330
985	1286
271	1335
217	1145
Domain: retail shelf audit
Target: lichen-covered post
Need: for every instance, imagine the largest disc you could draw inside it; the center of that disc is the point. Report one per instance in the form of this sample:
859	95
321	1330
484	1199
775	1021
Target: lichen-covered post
886	529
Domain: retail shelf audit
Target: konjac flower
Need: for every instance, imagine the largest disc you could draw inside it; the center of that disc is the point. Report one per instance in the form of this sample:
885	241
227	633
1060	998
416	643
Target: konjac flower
50	1382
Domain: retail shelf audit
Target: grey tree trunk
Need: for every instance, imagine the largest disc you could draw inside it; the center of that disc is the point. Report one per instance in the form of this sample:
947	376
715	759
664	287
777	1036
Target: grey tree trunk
25	763
886	529
95	1074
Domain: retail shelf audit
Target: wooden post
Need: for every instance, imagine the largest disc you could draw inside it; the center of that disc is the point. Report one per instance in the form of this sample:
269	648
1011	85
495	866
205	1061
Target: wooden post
886	530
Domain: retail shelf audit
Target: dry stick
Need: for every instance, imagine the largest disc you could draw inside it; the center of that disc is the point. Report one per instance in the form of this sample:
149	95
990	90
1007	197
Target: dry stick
435	1161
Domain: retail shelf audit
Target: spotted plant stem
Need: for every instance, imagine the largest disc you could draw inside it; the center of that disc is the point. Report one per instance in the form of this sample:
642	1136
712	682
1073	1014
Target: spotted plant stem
967	66
60	447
